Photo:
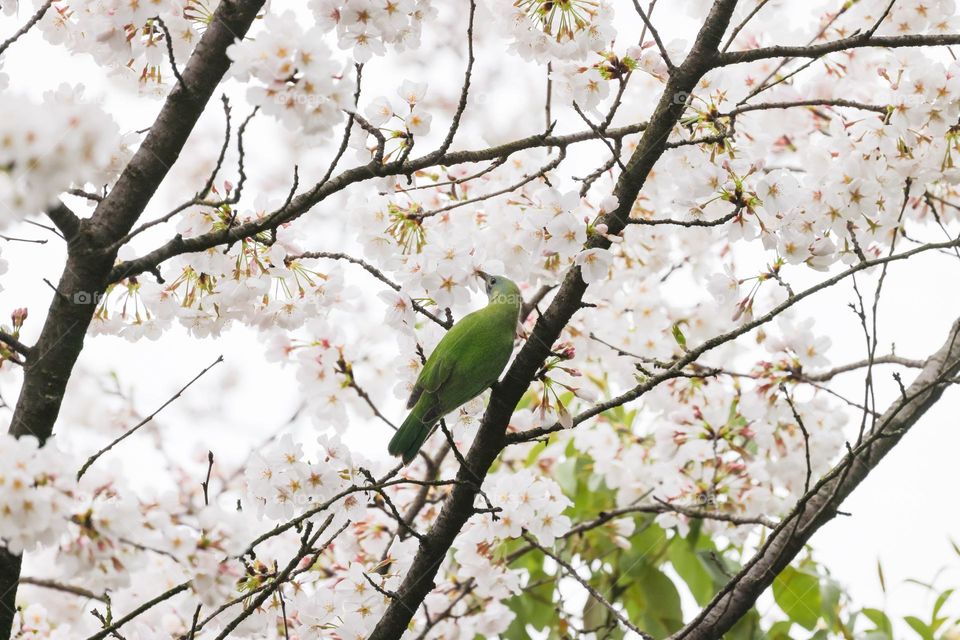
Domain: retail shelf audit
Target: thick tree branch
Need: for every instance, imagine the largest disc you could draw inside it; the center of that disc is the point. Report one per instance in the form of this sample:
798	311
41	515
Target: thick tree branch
490	438
65	220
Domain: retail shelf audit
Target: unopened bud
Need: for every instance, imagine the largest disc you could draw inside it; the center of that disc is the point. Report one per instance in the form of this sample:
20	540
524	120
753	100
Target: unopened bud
566	350
18	316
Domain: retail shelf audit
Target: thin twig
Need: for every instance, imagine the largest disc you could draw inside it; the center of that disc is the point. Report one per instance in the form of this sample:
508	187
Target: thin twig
166	595
806	436
173	61
691	355
372	270
656	35
66	588
134	428
465	89
34	19
586	585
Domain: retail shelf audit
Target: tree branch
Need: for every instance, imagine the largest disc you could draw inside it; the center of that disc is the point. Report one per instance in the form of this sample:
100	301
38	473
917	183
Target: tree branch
14	344
65	220
129	432
376	273
34	19
858	41
853	366
65	588
624	620
306	201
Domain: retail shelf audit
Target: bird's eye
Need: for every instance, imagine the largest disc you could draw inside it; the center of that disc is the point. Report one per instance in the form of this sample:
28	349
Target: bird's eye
493	281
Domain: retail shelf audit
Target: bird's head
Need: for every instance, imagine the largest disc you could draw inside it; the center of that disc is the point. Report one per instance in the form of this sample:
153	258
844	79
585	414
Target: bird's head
500	289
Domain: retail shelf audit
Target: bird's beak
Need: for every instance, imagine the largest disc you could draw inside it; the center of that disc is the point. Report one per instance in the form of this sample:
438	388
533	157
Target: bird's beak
481	274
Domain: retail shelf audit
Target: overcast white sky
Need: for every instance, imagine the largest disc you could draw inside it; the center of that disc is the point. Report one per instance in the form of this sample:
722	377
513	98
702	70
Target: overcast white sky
903	515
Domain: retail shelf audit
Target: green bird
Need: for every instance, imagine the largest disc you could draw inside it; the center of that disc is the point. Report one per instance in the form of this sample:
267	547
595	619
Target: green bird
468	359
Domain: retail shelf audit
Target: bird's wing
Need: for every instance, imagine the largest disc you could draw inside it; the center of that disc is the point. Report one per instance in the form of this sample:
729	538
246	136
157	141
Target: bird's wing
442	362
434	374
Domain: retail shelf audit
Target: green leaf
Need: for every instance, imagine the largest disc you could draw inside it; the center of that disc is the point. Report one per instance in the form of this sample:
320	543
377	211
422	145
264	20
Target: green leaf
797	593
941	600
880	620
566	476
747	628
678	336
690	567
830	593
883	582
780	630
653	601
534	454
919	626
534	606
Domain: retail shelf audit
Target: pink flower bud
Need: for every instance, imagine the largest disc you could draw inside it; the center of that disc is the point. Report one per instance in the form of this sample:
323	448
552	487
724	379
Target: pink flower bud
18	316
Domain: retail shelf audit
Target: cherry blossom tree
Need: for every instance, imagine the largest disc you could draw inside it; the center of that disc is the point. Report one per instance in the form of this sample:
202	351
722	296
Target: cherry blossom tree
669	435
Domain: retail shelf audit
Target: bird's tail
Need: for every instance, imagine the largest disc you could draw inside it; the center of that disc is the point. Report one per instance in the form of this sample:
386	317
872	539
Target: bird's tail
413	432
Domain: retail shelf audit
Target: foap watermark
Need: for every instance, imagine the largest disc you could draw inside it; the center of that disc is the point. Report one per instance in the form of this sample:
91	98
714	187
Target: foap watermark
507	298
705	500
87	297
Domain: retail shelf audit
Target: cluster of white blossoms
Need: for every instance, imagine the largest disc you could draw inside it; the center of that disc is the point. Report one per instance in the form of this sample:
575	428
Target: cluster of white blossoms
127	37
366	26
526	501
293	76
46	149
253	283
914	16
865	170
421	236
35	490
283	483
589	85
725	443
